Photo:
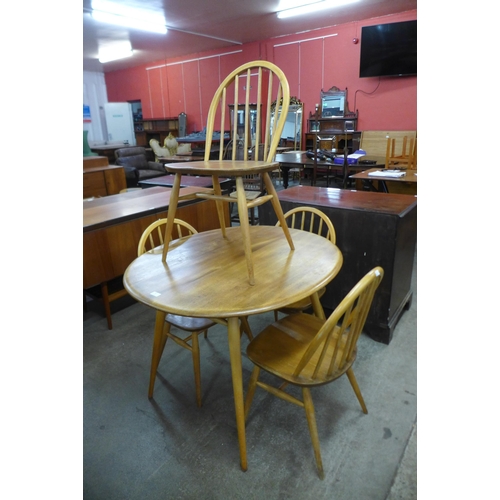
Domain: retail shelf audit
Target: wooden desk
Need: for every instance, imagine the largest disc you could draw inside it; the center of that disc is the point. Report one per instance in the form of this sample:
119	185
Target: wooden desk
102	180
177	159
372	229
112	227
402	185
206	276
300	160
108	150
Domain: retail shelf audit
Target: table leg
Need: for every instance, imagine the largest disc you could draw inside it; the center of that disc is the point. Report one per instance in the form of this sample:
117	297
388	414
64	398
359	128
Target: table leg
233	333
172	208
285	169
158	345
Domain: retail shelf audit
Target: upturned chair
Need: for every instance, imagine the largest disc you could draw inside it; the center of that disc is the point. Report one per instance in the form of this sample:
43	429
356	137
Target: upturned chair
306	351
406	159
315	221
153	237
256	82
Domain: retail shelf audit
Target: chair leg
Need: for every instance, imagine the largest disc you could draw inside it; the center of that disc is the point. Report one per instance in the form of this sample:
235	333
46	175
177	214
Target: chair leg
251	389
313	430
245	228
355	386
245	326
196	366
159	340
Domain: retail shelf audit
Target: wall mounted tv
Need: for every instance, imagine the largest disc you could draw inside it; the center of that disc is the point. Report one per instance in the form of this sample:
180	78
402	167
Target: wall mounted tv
389	50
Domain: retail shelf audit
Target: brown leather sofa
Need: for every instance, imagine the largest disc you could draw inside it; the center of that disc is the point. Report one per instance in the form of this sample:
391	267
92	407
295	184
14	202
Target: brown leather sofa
136	166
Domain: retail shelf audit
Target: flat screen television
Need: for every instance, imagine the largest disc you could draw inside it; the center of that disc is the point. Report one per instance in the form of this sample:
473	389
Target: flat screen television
389	50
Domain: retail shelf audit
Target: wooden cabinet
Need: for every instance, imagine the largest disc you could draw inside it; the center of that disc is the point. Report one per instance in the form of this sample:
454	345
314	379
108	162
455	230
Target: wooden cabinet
333	140
372	229
101	179
157	128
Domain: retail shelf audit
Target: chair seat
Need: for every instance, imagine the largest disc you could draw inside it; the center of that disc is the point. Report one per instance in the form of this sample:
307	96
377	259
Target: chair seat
290	337
189	324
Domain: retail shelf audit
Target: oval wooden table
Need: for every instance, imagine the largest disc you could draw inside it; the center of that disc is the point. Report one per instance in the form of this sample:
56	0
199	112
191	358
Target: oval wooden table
206	276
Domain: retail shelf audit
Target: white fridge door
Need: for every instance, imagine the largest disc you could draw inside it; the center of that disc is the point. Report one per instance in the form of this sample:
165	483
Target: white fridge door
120	122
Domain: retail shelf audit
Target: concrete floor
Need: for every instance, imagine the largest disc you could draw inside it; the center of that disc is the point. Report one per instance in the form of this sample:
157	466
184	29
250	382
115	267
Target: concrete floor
136	448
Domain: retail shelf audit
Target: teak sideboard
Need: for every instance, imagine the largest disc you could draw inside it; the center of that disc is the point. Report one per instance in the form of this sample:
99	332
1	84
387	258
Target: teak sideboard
372	229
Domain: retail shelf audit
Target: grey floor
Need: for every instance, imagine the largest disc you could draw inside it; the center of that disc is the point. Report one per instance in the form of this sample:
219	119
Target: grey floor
136	448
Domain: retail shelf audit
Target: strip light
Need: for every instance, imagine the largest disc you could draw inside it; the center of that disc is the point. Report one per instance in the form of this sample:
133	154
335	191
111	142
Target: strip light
112	13
312	7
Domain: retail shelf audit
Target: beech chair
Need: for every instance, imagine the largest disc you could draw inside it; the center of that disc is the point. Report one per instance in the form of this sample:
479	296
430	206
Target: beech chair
153	237
259	82
306	351
315	221
406	159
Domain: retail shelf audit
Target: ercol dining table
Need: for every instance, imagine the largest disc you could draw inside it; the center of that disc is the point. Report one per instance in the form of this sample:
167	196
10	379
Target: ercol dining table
205	275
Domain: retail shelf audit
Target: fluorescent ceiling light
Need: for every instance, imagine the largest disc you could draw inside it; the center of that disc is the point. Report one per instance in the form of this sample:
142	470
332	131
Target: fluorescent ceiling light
112	13
312	7
114	51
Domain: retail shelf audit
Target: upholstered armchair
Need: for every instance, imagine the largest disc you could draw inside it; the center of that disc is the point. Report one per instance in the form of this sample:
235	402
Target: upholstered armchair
136	165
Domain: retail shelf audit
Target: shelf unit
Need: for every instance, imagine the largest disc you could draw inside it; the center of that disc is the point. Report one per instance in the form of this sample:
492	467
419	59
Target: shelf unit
155	128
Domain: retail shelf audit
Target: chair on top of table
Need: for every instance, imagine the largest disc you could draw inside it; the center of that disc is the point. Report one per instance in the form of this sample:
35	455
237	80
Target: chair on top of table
259	82
305	351
153	237
313	220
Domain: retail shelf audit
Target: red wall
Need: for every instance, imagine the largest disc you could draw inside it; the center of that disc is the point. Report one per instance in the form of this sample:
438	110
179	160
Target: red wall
312	61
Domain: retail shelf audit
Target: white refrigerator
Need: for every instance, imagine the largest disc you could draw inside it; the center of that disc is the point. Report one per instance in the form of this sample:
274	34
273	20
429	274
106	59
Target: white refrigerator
119	122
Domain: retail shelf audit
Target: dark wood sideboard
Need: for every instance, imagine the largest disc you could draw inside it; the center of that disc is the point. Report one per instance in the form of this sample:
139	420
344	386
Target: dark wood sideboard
372	229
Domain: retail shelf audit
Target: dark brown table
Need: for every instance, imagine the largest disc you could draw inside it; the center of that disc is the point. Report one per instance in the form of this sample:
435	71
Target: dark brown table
373	229
299	159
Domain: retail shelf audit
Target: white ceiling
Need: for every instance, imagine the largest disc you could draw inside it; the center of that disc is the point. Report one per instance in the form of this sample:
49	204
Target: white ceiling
200	25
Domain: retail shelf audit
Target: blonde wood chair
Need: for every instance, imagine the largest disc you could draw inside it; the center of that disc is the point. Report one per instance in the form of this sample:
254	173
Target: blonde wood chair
407	158
153	237
306	351
315	221
258	82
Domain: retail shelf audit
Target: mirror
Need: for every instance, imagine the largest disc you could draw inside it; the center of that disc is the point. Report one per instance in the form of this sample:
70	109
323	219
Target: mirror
333	103
291	137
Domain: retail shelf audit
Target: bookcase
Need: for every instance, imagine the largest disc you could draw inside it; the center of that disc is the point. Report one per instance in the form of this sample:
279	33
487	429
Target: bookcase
155	128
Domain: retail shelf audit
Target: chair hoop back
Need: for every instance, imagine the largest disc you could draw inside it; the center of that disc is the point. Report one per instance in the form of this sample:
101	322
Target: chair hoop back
156	238
254	82
310	219
334	346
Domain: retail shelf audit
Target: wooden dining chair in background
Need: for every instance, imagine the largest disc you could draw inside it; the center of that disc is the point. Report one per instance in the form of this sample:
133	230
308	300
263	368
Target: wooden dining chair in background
305	351
315	221
153	237
407	158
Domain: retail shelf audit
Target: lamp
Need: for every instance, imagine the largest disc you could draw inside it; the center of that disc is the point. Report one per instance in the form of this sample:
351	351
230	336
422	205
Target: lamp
114	51
312	7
